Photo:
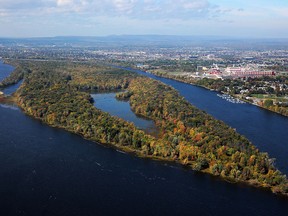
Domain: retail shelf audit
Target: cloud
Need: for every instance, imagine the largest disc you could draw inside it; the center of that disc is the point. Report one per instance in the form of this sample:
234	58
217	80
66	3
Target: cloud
64	2
134	9
137	9
94	17
124	5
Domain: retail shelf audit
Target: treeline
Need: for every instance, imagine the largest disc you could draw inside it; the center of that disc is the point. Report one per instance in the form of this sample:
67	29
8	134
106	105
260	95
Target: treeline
52	93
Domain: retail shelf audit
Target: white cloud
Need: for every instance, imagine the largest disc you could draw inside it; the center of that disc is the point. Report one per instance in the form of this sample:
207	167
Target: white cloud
156	15
133	8
124	5
195	5
64	2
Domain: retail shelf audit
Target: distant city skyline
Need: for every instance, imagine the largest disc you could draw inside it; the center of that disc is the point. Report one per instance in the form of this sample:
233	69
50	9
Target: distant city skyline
46	18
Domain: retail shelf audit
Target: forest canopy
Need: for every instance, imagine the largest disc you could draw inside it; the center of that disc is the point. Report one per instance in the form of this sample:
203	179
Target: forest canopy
58	94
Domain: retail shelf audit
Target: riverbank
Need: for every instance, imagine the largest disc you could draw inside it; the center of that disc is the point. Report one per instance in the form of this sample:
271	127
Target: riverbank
251	100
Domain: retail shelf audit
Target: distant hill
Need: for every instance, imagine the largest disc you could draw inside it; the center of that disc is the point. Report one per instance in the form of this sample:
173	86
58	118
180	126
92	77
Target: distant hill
145	40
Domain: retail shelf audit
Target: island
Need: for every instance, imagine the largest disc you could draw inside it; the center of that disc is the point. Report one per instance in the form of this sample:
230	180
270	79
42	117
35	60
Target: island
58	93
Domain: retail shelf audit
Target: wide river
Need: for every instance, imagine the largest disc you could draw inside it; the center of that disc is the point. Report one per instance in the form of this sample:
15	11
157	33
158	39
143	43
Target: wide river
48	171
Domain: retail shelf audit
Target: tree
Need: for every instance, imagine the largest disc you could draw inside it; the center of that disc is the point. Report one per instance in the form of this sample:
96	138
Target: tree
268	103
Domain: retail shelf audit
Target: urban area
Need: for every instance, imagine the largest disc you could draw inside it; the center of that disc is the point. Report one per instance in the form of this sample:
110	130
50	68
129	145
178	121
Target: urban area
241	71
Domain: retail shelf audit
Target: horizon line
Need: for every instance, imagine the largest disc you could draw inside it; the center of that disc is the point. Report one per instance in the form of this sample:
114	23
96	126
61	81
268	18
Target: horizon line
141	35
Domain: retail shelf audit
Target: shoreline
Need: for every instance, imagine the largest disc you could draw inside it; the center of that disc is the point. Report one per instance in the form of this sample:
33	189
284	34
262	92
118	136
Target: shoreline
194	84
139	154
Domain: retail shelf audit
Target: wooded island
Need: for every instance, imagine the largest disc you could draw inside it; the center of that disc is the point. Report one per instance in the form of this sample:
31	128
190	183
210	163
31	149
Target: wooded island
58	94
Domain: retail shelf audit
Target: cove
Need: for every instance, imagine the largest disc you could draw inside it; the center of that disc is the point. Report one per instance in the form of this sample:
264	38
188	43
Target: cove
107	102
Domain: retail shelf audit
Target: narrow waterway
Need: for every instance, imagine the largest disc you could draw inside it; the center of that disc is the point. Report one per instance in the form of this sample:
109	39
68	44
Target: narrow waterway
107	102
5	70
12	88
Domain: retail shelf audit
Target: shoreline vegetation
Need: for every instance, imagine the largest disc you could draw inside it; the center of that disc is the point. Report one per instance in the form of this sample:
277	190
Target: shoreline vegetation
207	85
56	93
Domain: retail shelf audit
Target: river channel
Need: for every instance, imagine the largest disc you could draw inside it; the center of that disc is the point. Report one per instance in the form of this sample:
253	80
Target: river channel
107	102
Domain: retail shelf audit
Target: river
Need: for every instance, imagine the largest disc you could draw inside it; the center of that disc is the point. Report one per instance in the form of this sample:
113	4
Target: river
5	70
48	171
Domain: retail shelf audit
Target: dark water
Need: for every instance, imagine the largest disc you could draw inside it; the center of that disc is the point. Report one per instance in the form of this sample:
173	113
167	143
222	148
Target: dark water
108	103
265	129
11	89
48	171
5	70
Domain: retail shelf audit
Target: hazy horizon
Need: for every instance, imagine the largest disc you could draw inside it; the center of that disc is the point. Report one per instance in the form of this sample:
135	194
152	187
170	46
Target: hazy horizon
146	35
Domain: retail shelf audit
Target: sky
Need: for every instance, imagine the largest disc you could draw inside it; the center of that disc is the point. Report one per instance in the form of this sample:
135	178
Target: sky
236	18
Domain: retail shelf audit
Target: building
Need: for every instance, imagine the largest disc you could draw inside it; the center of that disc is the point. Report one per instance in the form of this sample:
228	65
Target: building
247	72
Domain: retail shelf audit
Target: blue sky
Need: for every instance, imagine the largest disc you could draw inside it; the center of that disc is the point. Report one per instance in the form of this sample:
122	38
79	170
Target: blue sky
246	18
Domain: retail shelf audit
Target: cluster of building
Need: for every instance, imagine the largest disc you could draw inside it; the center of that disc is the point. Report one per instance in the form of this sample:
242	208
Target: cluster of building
236	72
247	72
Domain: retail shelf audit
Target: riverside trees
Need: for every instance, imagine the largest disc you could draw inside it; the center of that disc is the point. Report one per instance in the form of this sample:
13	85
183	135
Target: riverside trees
53	92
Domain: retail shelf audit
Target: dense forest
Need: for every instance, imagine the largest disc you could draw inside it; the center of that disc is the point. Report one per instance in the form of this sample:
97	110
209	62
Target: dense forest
57	94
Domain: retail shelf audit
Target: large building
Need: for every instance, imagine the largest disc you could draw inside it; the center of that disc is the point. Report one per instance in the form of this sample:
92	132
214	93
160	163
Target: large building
247	72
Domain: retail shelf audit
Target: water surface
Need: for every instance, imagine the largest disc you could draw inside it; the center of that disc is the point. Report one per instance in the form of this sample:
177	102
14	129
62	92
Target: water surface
48	171
5	70
107	102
